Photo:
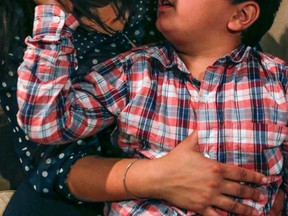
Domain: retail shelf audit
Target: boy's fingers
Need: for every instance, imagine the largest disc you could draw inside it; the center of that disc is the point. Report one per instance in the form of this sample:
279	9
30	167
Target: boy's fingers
240	174
66	5
54	2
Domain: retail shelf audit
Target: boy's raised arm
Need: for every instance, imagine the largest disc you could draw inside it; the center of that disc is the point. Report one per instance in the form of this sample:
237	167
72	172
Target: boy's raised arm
51	108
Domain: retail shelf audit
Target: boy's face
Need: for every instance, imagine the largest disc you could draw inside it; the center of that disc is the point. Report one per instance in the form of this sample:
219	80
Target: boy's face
193	20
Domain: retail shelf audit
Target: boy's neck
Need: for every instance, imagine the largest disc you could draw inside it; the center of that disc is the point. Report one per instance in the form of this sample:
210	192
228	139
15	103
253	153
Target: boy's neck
198	58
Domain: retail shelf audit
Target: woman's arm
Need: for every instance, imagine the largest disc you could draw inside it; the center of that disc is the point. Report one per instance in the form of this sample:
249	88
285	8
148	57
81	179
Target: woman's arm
162	176
184	178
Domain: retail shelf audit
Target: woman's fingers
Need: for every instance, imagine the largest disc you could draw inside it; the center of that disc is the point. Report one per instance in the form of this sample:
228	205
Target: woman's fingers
198	183
241	174
278	204
232	206
191	142
239	190
209	211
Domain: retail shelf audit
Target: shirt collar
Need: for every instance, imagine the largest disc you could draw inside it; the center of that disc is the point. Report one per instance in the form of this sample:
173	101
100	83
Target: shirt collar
237	56
173	59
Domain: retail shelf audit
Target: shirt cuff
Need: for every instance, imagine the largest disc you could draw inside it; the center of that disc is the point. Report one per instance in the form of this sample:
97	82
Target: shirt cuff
49	21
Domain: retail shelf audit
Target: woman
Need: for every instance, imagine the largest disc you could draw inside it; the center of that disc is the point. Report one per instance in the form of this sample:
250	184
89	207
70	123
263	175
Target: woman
12	26
48	166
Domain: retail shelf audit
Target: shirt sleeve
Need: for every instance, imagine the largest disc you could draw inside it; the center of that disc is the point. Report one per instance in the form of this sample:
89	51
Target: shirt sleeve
53	109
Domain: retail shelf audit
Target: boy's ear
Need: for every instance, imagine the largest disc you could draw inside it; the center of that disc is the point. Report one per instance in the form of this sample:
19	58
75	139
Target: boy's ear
245	15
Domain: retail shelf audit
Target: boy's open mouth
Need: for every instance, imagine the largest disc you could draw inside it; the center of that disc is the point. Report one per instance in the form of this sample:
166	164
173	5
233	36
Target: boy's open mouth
165	3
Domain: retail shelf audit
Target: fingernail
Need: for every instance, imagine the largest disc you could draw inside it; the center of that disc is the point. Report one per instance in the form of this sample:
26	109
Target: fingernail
255	212
261	197
265	180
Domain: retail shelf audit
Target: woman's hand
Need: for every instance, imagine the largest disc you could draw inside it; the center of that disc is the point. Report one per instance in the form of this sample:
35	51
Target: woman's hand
184	178
192	181
278	204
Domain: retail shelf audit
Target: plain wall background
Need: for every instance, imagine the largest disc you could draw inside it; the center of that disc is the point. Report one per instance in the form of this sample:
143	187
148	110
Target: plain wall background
276	40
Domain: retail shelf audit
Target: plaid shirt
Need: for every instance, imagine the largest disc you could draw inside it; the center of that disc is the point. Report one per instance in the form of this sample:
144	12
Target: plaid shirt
239	108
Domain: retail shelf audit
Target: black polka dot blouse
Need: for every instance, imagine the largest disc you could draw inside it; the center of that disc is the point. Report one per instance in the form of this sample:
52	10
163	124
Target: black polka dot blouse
47	166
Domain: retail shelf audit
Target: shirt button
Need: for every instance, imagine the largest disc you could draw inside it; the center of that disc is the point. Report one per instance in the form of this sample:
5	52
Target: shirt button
52	46
56	19
206	155
206	98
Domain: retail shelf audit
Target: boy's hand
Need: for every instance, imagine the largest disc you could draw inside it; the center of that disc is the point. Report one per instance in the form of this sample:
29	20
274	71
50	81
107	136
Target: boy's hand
66	4
54	2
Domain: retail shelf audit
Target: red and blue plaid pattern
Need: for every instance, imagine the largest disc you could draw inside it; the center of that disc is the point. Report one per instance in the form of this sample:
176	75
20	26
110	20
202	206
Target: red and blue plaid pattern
240	107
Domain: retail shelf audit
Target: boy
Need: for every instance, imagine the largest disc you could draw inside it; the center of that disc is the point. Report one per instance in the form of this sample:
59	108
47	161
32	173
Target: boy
207	78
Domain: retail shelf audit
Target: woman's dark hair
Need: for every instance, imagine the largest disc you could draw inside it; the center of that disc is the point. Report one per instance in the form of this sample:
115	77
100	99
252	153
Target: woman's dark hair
84	8
16	18
268	10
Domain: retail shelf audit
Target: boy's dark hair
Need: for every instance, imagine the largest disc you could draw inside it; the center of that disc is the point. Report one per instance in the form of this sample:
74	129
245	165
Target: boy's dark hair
268	10
84	8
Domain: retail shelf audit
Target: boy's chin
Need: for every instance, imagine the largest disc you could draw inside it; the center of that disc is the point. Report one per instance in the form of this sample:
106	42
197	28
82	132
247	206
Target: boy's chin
172	37
164	26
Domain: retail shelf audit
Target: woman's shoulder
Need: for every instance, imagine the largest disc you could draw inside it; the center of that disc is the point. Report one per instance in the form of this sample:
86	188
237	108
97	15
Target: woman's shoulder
10	64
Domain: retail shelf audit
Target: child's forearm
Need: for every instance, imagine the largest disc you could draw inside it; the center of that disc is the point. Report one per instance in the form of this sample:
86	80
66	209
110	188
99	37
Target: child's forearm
51	108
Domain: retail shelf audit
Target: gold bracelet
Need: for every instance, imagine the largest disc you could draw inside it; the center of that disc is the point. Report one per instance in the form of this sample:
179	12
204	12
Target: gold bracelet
124	180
